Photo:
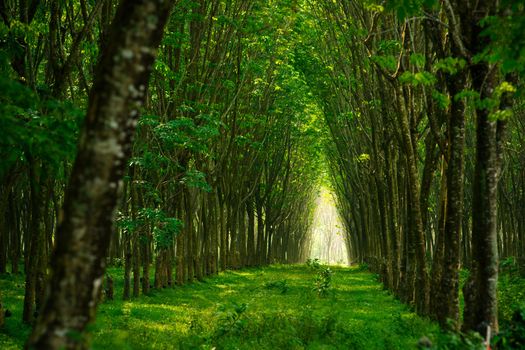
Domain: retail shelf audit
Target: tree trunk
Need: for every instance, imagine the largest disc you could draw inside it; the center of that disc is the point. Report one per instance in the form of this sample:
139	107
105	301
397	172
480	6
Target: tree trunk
480	290
146	258
34	243
448	305
15	236
251	234
127	266
188	234
418	234
180	259
2	312
83	236
136	265
260	230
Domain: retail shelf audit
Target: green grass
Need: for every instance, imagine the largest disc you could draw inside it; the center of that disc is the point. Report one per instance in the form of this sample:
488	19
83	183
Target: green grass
269	308
14	332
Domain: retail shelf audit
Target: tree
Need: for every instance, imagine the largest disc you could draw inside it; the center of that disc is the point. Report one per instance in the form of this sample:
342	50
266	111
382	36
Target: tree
83	237
481	288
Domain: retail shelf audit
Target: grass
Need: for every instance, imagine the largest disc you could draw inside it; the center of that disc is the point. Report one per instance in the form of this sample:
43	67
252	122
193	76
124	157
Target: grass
267	308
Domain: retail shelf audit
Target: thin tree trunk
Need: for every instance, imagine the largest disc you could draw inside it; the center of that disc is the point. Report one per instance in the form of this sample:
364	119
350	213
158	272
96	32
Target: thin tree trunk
136	265
251	234
448	303
34	243
418	235
2	312
128	256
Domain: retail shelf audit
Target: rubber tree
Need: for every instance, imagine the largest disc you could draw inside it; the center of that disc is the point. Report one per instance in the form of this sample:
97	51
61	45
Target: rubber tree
84	233
480	291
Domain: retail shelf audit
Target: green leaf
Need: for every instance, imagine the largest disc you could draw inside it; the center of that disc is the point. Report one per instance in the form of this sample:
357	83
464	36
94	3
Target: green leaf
443	100
196	179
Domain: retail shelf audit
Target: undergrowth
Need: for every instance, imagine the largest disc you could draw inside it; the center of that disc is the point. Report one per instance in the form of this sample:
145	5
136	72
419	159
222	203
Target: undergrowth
265	308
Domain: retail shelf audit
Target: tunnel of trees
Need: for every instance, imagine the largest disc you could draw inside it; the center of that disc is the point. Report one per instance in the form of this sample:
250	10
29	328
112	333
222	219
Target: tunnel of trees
181	138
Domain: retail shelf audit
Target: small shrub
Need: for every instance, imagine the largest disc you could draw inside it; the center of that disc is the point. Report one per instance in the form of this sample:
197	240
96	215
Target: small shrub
313	263
508	265
230	319
323	281
458	341
513	337
363	267
280	285
511	295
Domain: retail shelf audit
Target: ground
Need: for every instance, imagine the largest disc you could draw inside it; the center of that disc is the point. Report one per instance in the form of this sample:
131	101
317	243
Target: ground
275	307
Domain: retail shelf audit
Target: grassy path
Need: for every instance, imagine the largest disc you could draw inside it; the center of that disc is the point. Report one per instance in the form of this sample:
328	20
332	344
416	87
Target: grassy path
270	308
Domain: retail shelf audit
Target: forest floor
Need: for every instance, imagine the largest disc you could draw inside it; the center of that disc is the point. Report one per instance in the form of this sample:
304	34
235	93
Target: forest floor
275	307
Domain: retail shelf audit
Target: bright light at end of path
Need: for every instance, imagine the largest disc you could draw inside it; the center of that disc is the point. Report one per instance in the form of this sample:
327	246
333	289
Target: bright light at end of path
328	236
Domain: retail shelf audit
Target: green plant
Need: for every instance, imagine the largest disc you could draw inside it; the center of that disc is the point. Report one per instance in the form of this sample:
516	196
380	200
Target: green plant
509	265
458	341
363	267
230	319
313	263
513	336
281	285
323	281
511	292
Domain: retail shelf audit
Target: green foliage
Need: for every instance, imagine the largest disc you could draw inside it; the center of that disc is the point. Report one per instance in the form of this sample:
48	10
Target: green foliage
14	333
313	263
363	267
450	65
280	285
509	265
418	60
185	132
458	341
419	78
467	94
386	62
513	336
196	179
389	47
511	289
323	281
363	157
323	278
230	320
42	127
505	31
126	223
442	100
165	231
164	228
408	8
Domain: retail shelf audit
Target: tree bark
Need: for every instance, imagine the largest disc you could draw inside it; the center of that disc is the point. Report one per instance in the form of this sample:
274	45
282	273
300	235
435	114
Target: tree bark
480	290
83	236
251	233
35	241
448	305
418	234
